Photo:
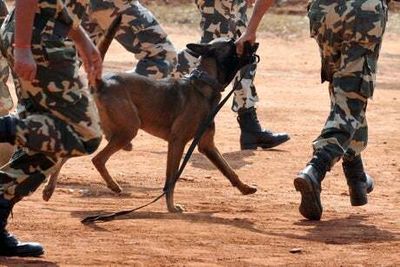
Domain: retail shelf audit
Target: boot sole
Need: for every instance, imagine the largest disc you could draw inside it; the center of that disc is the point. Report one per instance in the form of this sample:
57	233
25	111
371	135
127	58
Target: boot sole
28	254
358	201
254	146
310	206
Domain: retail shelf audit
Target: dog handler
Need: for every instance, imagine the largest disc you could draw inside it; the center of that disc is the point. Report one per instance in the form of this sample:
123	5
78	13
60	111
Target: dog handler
227	18
349	34
58	117
140	33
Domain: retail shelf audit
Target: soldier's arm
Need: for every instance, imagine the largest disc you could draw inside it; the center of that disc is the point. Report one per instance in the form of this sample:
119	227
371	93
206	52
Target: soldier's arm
260	8
24	64
89	54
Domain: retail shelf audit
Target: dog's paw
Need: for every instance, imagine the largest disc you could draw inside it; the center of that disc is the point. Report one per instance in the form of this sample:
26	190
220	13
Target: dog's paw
247	189
47	193
128	147
176	209
115	188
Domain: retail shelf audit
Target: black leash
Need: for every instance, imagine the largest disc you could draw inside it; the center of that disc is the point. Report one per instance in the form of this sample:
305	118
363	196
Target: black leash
199	133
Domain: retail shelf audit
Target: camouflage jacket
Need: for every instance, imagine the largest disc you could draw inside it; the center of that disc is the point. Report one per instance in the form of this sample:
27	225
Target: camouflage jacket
58	16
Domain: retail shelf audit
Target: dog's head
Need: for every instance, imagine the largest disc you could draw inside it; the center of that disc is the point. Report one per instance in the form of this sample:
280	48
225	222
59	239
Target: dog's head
228	62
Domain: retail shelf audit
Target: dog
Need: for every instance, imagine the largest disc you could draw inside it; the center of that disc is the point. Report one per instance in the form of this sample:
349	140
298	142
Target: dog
169	109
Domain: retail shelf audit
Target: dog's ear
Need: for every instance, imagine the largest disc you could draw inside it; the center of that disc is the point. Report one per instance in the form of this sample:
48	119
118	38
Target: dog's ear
200	49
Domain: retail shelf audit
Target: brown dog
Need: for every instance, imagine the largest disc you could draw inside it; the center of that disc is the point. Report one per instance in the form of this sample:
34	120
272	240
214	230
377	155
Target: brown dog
169	109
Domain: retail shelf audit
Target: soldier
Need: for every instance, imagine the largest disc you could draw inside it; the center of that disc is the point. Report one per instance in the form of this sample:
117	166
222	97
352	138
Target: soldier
222	18
140	33
59	118
349	35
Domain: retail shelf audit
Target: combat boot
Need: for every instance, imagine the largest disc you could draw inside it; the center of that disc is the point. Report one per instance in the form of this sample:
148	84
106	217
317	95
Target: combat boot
308	183
253	136
359	182
7	129
9	245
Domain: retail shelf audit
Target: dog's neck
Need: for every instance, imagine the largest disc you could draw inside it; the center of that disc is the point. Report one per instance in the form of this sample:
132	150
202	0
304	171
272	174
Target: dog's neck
208	66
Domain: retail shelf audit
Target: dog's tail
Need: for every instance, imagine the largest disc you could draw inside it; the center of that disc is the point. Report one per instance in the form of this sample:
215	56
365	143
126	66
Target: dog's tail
105	43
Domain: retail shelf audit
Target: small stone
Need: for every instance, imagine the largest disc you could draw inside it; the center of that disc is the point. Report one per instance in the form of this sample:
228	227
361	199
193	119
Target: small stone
296	250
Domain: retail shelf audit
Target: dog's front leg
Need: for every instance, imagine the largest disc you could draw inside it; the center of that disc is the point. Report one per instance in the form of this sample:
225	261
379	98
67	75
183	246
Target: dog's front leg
208	148
175	152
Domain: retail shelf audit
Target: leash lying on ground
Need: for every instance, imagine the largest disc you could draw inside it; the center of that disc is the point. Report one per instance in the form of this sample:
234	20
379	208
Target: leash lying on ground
199	133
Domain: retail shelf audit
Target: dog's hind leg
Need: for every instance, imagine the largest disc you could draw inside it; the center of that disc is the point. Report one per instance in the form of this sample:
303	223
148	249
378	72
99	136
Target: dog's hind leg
208	148
51	185
175	151
116	142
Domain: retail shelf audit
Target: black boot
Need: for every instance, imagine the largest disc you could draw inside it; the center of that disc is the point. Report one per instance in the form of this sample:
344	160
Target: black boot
359	182
9	245
308	183
253	136
7	129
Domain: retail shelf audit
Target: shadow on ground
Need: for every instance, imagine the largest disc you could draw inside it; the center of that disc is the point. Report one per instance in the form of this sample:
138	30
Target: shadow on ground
350	230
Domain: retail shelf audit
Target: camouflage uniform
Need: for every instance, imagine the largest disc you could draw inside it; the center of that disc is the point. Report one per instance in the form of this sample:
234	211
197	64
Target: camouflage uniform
6	103
140	33
349	34
223	18
58	118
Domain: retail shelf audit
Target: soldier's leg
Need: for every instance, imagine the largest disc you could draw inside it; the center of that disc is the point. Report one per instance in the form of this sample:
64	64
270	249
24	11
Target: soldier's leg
216	21
359	182
349	63
141	34
19	178
245	97
24	173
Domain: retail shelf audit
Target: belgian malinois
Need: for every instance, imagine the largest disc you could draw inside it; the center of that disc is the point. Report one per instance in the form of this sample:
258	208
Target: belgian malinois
169	109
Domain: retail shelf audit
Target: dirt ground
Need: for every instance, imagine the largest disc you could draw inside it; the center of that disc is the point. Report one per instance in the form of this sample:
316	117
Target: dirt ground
220	226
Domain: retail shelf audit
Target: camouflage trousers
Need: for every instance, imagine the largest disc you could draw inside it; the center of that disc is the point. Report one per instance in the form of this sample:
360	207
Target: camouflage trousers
223	18
57	116
349	34
6	103
140	33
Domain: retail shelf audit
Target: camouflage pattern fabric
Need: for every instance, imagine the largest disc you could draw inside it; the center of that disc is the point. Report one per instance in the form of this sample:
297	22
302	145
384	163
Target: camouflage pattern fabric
223	18
140	33
6	102
349	34
57	116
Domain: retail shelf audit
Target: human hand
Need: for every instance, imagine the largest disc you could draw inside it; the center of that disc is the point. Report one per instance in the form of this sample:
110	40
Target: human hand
90	55
91	59
24	64
250	3
245	37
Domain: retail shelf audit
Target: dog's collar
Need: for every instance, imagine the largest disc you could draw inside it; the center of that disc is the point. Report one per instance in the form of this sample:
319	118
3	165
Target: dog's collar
203	76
